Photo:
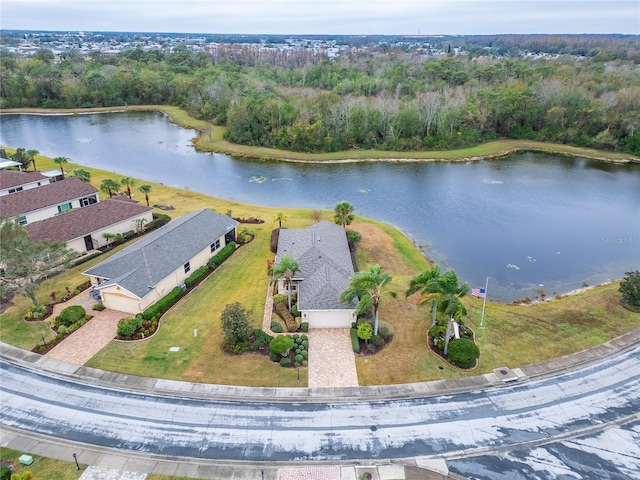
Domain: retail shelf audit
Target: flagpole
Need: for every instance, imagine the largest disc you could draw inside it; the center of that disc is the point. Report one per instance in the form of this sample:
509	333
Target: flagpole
484	301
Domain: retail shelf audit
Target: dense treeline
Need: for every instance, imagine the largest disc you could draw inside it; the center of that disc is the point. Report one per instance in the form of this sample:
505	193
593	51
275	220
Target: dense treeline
385	98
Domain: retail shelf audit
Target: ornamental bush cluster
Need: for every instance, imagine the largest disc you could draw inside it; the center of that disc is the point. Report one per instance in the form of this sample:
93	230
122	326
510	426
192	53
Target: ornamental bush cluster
222	255
289	350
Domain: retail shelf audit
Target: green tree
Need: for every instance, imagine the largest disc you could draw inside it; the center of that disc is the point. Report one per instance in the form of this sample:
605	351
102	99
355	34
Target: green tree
279	217
286	268
61	161
236	325
427	284
31	154
109	186
630	288
343	214
145	189
369	286
20	155
127	182
448	292
82	174
26	262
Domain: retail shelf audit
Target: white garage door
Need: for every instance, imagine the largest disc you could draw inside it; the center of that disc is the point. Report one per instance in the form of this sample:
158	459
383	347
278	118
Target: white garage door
329	318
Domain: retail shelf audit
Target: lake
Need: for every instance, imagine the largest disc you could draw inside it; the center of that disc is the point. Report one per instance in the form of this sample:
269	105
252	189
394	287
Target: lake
527	222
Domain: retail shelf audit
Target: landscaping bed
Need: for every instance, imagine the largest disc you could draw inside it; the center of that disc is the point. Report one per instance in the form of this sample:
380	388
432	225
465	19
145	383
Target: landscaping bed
463	352
69	320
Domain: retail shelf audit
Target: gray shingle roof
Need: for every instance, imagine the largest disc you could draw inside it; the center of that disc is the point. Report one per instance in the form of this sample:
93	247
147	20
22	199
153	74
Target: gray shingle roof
323	255
55	193
83	221
141	266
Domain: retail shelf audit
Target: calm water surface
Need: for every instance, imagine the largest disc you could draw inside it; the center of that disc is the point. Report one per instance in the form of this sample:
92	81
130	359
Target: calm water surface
525	221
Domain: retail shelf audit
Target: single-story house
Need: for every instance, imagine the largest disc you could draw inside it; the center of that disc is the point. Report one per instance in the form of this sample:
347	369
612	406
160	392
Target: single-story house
47	201
12	181
82	228
141	274
325	264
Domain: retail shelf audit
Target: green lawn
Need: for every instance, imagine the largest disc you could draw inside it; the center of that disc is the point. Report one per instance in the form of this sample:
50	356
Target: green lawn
512	335
42	468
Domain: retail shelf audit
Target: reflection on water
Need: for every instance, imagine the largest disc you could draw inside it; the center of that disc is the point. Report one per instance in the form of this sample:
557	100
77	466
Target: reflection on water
528	222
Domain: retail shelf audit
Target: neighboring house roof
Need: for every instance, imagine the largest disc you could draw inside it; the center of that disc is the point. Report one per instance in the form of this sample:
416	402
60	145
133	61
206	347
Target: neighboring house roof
55	193
324	259
141	266
9	164
13	178
83	221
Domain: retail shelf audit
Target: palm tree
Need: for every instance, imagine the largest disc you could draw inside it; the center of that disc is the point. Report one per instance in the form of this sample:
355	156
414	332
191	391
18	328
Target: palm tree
286	268
82	174
31	154
145	189
369	286
448	295
127	182
427	284
60	161
279	217
343	214
109	186
108	237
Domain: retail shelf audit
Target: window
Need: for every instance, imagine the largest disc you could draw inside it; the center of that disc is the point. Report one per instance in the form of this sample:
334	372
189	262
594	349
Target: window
65	207
187	267
22	220
215	245
88	201
14	190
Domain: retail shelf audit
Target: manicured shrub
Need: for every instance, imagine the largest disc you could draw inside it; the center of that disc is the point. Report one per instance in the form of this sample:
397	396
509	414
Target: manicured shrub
285	362
377	340
222	255
463	352
304	326
354	325
164	304
128	326
280	298
281	345
355	341
305	343
304	354
98	307
274	357
275	235
365	331
298	359
71	315
371	348
159	219
262	339
5	473
294	310
289	321
295	336
385	331
197	275
436	330
276	327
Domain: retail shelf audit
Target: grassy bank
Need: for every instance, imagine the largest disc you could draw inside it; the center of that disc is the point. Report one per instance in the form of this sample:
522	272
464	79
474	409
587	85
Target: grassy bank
212	140
513	335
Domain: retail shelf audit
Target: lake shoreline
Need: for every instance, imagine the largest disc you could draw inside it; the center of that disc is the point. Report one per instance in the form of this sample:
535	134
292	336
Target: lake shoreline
501	149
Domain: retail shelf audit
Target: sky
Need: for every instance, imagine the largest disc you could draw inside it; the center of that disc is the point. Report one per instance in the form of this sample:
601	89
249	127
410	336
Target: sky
359	17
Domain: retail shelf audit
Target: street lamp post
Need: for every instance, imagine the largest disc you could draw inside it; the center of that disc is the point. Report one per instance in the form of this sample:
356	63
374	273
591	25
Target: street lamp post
75	457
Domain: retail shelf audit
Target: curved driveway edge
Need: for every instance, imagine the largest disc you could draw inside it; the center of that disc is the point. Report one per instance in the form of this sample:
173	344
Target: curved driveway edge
318	394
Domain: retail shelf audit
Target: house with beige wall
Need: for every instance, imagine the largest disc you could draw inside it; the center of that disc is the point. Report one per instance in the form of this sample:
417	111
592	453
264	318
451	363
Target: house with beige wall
325	269
82	228
46	201
138	276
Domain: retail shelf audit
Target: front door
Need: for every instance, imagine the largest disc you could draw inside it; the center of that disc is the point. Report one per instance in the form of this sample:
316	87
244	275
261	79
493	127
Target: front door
88	242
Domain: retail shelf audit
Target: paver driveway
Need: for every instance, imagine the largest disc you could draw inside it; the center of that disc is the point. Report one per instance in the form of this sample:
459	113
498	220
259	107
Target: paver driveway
92	337
331	358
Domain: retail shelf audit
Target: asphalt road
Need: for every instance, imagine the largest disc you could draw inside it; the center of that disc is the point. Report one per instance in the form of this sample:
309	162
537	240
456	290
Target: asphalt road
465	426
